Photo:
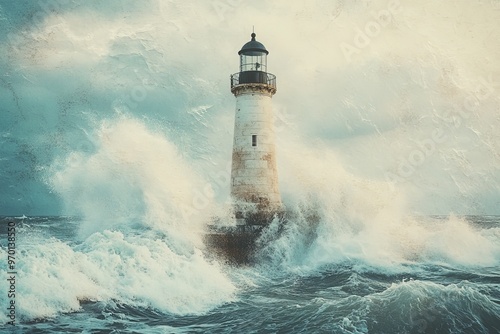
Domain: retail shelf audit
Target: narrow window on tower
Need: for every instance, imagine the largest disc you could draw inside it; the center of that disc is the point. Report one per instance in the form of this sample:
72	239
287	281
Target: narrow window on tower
254	140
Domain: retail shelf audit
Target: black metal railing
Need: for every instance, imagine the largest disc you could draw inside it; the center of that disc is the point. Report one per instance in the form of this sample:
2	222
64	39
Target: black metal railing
248	77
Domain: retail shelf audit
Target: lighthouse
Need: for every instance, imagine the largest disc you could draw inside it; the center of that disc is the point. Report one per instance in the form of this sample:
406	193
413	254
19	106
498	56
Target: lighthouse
254	177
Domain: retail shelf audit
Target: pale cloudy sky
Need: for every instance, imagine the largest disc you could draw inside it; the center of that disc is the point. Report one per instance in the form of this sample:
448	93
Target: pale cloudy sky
399	92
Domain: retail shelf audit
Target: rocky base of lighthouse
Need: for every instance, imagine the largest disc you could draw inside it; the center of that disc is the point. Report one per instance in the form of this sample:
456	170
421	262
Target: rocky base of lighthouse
242	244
238	244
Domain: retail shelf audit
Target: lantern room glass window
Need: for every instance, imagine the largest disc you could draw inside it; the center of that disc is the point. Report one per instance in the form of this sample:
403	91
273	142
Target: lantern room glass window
253	61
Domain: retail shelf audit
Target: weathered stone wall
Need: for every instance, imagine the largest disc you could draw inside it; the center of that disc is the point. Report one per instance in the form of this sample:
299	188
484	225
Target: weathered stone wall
254	176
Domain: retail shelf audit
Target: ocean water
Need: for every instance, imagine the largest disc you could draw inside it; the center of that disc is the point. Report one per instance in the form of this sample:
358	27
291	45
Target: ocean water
312	279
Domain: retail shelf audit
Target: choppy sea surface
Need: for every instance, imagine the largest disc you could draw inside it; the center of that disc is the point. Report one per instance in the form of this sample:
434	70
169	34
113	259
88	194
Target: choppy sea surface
428	275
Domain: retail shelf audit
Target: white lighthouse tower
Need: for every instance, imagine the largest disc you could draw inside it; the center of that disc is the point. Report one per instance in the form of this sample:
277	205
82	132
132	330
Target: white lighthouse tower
254	178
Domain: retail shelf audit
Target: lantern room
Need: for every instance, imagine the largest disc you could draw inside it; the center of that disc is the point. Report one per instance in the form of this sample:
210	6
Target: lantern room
253	65
253	56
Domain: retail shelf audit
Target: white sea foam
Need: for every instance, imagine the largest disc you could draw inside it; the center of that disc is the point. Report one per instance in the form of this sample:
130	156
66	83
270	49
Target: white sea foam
140	237
364	220
137	270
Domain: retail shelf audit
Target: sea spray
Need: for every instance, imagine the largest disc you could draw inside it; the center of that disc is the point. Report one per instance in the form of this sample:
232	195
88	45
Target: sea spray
352	219
134	177
139	235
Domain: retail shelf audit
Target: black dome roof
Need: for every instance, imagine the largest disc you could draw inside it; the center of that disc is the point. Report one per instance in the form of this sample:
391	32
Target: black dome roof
253	47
